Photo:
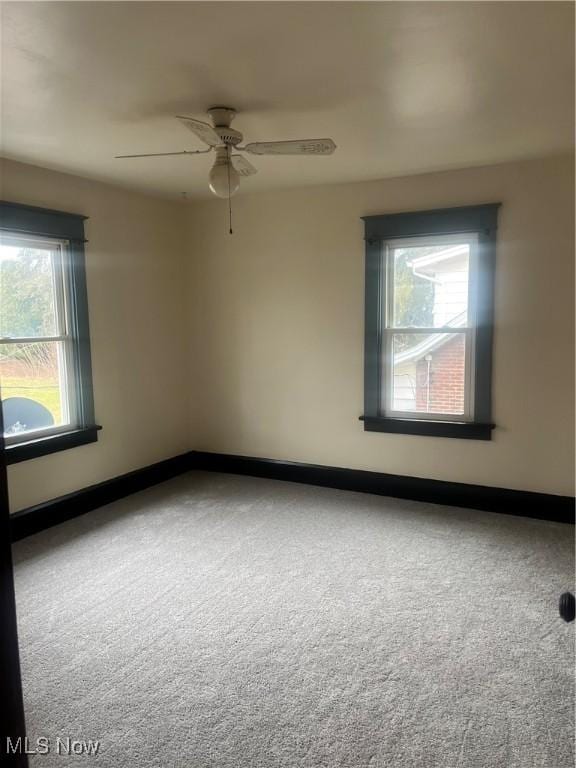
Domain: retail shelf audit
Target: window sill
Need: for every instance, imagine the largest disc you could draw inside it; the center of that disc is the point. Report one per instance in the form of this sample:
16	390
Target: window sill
426	427
42	446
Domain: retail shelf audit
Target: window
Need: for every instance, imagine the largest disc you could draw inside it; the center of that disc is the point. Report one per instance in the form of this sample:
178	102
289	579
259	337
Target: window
428	322
45	370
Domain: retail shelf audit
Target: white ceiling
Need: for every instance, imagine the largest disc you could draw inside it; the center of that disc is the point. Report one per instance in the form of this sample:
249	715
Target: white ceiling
402	87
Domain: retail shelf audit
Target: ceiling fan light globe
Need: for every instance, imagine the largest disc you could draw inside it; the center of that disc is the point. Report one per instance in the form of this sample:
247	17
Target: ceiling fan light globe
220	176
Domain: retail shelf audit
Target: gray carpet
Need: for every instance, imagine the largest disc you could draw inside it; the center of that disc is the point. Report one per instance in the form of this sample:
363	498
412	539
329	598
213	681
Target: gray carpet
231	622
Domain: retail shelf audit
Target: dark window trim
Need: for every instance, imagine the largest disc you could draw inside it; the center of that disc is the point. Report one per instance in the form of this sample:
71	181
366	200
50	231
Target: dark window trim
440	221
426	427
478	219
29	220
42	446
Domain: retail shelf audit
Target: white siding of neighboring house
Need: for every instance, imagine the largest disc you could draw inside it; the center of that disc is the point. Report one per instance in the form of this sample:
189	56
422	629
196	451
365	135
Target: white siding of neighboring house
405	387
450	293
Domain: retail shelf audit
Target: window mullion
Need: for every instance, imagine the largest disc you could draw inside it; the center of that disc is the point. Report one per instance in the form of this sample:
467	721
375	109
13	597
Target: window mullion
386	383
59	279
387	375
389	289
31	339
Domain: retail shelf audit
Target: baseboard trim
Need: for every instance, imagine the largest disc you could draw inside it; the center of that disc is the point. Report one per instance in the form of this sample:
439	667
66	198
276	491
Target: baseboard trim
37	518
542	506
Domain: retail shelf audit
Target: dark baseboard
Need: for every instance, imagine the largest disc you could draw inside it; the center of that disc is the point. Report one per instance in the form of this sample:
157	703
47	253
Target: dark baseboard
34	519
524	503
543	506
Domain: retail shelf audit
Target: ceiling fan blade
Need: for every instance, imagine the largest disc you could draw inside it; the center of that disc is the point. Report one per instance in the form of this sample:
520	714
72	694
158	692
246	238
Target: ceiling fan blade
298	147
243	166
165	154
205	132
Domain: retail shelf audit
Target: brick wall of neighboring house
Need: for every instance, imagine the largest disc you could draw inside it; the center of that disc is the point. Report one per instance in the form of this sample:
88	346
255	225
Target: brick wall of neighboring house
446	393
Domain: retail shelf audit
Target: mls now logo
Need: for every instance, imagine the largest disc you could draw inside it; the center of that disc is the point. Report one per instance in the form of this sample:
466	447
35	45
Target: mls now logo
42	746
70	746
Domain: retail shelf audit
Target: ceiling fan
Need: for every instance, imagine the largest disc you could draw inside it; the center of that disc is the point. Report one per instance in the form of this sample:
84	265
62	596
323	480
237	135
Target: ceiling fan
224	177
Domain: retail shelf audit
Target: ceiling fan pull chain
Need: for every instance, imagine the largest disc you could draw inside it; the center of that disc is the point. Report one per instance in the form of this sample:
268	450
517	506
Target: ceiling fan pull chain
229	196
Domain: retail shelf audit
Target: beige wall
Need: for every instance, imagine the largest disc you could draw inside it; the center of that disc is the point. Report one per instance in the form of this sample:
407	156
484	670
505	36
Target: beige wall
259	350
135	267
277	327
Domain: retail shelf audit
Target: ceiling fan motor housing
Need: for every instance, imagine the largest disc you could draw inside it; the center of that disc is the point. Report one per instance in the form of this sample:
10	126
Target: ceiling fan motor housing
221	119
228	135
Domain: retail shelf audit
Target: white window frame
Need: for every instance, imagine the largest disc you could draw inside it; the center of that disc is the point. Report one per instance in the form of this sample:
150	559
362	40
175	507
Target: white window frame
388	330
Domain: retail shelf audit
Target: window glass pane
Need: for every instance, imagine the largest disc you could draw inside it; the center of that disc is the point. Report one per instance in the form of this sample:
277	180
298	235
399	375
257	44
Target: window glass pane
428	372
27	301
32	381
430	285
